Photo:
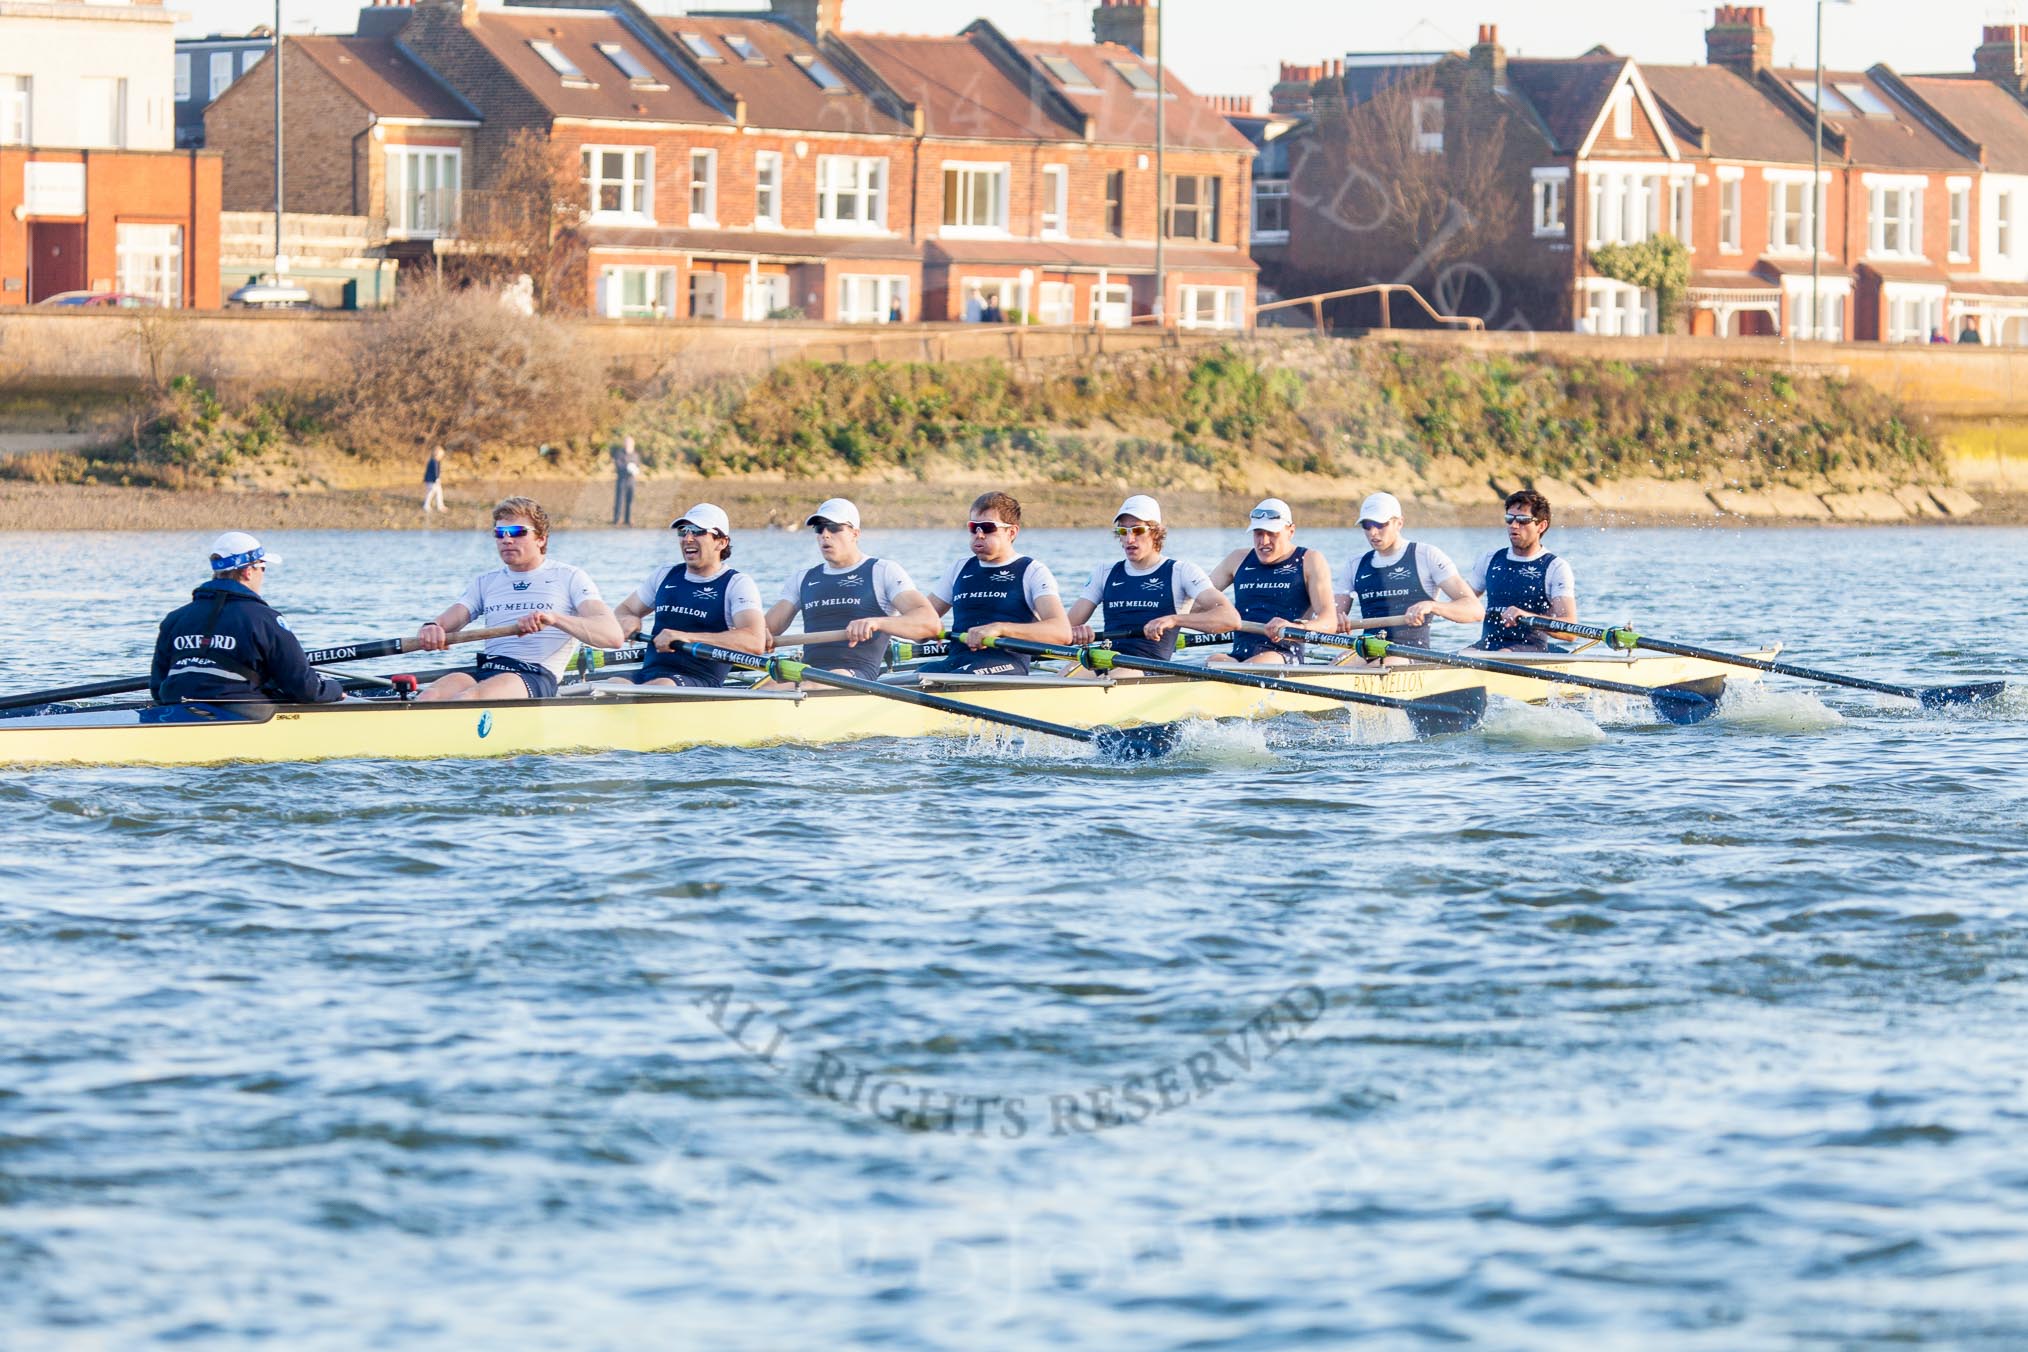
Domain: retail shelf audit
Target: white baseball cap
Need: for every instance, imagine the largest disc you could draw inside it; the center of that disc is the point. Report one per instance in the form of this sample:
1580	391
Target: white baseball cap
1142	506
705	515
839	510
1382	507
237	549
1271	514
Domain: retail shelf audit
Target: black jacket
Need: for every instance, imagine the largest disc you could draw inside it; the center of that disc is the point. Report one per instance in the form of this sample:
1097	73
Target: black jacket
228	644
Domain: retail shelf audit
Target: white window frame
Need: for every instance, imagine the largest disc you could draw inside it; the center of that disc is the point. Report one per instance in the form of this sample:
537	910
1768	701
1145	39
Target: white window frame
1056	303
658	291
183	77
854	289
2003	224
1207	208
1630	203
767	190
1112	305
1894	205
1912	310
865	186
1780	184
637	190
703	191
1959	240
150	260
1682	191
705	294
1211	307
765	293
1427	115
1055	201
1832	293
999	174
1731	197
405	168
1615	309
17	110
1551	210
221	76
1275	190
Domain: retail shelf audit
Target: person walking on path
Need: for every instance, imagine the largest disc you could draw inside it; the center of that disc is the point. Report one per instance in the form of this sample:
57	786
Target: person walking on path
626	473
433	482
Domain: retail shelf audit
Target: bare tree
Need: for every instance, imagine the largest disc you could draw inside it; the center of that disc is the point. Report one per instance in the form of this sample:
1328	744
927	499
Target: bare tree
530	220
1409	182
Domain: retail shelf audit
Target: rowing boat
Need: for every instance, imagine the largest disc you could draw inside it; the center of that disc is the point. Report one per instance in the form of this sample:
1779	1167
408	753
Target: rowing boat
606	716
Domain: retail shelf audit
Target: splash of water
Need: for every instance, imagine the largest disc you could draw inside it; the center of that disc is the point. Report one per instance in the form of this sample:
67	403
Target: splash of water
1750	704
1239	745
1538	725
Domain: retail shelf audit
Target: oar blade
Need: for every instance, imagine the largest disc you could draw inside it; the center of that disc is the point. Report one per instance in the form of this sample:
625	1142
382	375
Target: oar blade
1137	744
1688	702
1453	711
1948	696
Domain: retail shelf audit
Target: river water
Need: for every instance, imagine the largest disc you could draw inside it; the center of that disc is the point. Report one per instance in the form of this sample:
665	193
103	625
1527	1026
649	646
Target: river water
1575	1029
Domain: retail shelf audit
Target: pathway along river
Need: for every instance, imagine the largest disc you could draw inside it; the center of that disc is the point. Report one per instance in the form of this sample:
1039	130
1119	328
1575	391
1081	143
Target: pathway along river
1567	1031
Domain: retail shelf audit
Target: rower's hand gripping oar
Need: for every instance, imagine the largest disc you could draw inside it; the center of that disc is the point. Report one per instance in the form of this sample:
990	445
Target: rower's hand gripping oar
318	657
1430	715
1682	703
1624	639
941	647
1127	744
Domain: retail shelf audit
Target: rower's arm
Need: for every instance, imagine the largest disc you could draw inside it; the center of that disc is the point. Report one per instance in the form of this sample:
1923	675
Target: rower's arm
1461	604
1211	612
446	624
1080	611
1051	624
779	615
1222	575
630	615
594	625
1323	612
749	634
914	618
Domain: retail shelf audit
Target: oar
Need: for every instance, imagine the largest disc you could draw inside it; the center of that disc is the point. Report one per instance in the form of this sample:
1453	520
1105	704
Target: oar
1129	744
1624	638
347	652
940	647
1430	715
1684	702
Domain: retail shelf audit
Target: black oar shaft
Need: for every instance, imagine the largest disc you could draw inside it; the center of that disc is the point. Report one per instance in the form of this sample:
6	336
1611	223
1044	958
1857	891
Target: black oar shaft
1101	658
1369	647
1622	637
943	647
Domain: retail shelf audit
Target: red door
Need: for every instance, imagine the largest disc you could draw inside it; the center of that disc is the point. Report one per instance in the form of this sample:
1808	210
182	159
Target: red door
56	258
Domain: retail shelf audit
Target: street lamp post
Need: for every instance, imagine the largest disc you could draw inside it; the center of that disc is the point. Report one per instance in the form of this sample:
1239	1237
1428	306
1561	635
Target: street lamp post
281	259
1161	174
1817	178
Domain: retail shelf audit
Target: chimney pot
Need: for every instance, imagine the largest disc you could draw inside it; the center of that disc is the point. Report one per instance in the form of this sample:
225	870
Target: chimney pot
1739	40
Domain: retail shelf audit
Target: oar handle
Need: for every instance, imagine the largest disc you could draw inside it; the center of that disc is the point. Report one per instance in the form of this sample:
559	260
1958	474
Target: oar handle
409	645
1331	640
905	651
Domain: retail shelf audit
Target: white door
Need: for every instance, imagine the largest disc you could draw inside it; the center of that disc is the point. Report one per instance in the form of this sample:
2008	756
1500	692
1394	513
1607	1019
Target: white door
707	295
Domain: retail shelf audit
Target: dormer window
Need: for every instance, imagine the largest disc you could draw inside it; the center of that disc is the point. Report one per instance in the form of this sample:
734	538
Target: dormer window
1866	101
744	49
1068	75
826	79
700	46
638	75
559	63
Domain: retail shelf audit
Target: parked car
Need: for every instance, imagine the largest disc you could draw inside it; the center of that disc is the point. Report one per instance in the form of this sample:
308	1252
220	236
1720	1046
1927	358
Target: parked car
268	295
122	299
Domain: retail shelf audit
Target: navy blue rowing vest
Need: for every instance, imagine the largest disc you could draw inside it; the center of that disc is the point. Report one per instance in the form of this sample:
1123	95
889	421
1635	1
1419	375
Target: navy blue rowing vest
1130	602
834	600
1391	591
693	607
1509	583
1266	592
988	593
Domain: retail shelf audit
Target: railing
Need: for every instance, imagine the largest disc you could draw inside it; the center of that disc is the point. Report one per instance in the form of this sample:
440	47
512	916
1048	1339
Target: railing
1384	290
424	213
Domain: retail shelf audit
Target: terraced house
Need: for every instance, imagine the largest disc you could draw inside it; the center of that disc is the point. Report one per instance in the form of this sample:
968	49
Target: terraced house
1909	231
743	165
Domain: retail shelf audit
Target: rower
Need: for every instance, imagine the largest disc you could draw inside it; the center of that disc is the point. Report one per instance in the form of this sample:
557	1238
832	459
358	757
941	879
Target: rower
1277	583
1404	577
996	593
1522	579
229	645
865	597
700	600
1159	595
555	606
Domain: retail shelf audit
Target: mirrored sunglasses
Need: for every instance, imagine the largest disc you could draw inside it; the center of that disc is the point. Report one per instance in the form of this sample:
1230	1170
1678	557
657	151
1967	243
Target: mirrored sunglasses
1521	520
513	532
1127	532
984	527
823	527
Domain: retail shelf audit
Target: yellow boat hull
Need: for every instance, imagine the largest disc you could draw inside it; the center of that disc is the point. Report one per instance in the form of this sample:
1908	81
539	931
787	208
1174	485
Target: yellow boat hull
633	720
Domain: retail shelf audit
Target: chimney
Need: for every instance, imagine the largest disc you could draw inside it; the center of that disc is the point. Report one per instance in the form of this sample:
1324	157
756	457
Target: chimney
818	18
1327	95
1999	57
1740	40
1292	93
1489	59
1130	23
1231	105
383	18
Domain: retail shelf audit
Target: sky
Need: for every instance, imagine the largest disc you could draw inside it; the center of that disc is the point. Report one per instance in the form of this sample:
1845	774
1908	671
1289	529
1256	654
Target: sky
1213	55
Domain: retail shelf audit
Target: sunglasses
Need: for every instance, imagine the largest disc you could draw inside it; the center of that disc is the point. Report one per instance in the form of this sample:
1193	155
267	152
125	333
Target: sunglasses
690	532
984	527
1372	525
1131	532
510	532
1514	520
823	527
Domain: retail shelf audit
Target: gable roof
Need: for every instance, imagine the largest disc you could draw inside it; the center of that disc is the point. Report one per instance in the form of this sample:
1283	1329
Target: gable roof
1737	119
383	79
1121	114
962	92
1982	112
1898	140
1569	95
778	91
605	91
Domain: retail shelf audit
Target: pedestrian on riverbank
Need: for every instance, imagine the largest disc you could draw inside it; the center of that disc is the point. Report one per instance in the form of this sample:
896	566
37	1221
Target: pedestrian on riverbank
626	474
433	482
